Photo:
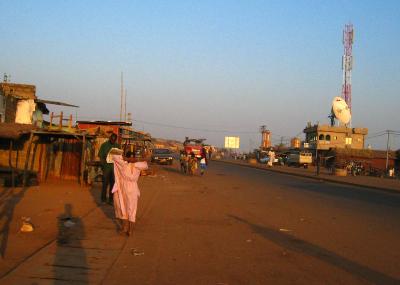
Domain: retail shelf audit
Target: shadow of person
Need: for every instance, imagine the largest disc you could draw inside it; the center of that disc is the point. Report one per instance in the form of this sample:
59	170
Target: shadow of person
107	209
9	199
70	262
292	243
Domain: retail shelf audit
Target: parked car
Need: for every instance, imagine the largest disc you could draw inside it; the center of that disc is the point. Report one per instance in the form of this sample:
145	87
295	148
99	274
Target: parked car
299	158
162	156
265	159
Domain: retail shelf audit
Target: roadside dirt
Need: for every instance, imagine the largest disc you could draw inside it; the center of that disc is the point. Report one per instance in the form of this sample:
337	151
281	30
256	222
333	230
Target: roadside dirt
43	204
234	225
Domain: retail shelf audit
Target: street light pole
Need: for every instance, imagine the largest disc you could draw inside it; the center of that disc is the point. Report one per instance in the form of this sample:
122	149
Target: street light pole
317	159
387	152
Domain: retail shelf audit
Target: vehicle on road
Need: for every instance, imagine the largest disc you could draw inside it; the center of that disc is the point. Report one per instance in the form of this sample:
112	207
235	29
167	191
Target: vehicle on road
299	158
193	146
162	156
263	157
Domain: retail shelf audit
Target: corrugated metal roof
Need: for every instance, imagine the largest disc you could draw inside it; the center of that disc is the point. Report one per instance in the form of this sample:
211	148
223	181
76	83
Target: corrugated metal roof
112	123
55	103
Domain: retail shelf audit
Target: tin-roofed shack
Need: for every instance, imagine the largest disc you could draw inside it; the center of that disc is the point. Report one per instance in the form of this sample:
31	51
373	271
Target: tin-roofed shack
30	155
103	129
17	102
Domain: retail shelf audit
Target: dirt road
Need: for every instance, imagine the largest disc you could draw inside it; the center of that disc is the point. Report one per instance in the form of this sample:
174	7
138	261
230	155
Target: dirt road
234	225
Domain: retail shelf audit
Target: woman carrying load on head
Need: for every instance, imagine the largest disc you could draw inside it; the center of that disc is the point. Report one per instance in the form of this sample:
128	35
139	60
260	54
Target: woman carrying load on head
126	191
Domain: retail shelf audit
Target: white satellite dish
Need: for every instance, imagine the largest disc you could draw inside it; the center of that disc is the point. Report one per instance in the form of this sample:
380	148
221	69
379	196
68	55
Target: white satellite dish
341	110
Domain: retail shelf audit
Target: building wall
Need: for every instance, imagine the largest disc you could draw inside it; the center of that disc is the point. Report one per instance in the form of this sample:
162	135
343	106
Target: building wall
22	91
326	137
58	159
10	109
340	140
11	93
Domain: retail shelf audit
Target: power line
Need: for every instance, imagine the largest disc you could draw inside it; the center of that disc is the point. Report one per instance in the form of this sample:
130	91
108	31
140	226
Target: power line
194	129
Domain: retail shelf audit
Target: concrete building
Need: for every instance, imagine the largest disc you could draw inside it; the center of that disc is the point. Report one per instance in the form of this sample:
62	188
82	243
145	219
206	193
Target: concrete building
324	137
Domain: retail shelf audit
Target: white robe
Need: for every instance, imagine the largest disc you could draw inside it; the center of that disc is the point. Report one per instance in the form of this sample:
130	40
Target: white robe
126	191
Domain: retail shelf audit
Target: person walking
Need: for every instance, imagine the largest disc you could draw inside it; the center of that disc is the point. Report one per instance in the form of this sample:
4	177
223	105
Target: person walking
271	155
192	163
126	191
108	168
183	161
203	165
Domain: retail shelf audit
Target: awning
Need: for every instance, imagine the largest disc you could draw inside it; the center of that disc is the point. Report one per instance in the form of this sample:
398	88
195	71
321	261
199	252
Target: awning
55	103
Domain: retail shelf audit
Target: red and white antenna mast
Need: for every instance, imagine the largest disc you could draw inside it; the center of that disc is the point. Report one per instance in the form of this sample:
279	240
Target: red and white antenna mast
347	62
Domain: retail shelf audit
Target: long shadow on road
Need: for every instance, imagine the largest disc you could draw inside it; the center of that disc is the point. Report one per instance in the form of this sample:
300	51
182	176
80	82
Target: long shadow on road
70	263
108	210
304	247
9	199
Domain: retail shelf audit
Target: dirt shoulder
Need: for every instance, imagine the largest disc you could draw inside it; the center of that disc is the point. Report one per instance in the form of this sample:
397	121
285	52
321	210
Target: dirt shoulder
44	205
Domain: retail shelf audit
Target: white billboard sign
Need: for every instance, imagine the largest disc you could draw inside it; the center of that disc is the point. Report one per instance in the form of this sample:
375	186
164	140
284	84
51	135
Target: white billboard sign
232	142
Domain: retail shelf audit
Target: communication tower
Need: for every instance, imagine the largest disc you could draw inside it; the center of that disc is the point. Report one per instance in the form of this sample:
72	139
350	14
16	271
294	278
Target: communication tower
347	63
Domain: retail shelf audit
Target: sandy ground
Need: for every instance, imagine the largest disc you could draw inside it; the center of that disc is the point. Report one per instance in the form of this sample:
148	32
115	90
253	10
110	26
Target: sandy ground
43	204
234	225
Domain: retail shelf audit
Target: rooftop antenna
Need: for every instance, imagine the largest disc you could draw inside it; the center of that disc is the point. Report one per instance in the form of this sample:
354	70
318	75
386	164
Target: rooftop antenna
347	63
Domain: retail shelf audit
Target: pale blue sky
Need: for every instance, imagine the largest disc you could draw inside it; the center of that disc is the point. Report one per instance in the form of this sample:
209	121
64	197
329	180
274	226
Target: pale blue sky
208	65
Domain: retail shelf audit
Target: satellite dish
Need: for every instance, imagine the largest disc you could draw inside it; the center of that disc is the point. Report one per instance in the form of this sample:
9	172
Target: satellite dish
341	110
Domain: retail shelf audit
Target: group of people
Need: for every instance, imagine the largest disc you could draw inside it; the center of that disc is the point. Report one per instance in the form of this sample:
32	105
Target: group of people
190	163
121	172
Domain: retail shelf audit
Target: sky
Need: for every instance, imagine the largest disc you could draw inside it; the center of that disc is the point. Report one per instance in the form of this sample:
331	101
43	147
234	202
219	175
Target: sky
208	69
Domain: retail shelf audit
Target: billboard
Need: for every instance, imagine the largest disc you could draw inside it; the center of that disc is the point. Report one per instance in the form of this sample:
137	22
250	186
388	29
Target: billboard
232	142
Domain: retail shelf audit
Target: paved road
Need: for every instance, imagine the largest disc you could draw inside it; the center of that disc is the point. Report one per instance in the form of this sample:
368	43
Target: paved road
238	225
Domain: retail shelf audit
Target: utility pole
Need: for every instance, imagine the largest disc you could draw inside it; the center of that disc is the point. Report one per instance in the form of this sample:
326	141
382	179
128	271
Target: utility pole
122	97
316	154
387	152
126	94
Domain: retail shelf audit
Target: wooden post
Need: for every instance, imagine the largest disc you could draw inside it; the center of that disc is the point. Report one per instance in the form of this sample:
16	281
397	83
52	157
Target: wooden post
61	119
16	158
83	160
51	119
10	164
40	171
28	153
70	121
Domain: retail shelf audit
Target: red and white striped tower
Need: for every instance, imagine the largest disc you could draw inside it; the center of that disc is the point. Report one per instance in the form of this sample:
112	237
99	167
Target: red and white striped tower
347	63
